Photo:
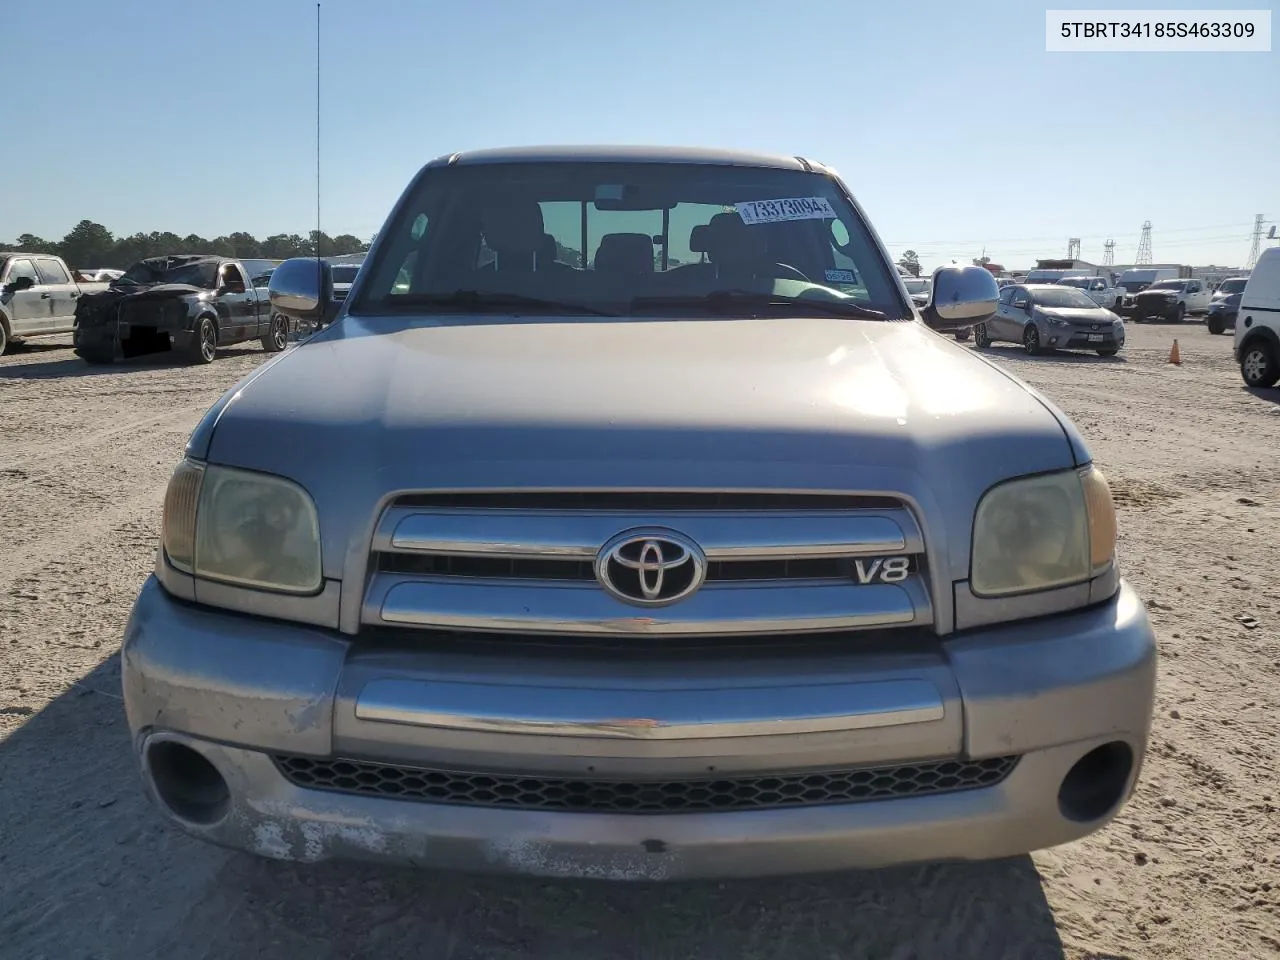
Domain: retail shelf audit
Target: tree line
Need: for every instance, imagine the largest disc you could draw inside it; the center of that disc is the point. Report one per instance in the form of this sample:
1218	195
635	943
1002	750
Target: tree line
91	246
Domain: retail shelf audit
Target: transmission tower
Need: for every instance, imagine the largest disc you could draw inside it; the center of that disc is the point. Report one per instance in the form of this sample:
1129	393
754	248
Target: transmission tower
1144	245
1257	243
1109	253
1073	248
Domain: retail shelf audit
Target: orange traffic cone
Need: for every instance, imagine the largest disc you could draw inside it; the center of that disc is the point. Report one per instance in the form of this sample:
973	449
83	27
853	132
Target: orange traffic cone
1174	355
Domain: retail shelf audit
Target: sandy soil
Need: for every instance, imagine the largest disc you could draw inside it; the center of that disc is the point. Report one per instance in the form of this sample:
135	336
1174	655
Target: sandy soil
1190	869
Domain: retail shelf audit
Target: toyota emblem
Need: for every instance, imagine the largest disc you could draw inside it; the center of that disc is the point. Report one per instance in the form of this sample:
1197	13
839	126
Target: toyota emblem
651	568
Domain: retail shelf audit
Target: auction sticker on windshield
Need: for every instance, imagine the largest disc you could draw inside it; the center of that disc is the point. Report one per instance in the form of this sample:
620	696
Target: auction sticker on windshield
794	208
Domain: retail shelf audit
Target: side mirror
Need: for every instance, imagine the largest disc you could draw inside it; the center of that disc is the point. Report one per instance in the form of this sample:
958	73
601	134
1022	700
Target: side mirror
20	284
301	289
960	297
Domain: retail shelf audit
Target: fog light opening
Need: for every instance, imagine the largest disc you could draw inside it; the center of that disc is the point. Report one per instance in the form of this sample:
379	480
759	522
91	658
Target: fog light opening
188	784
1095	785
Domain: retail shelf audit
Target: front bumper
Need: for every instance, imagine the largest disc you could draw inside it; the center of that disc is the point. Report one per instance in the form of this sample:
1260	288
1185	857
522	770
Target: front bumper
1157	309
1226	314
1068	338
240	691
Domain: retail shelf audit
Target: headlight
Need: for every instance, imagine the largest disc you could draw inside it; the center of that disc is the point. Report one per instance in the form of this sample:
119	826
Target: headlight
1042	532
1055	321
241	527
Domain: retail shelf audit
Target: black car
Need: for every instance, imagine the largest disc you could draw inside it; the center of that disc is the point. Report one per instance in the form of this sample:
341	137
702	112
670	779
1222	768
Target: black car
1225	304
188	303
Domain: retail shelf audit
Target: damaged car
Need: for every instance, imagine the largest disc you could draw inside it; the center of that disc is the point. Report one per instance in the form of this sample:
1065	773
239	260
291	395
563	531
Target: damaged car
191	304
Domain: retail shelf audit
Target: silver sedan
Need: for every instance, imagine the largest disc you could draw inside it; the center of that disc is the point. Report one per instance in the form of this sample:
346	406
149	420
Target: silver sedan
1043	316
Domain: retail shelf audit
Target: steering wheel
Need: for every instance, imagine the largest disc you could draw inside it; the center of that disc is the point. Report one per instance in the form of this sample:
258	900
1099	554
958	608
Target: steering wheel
795	273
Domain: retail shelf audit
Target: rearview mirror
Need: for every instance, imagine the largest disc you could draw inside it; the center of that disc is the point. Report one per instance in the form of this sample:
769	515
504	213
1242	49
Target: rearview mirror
19	284
301	288
960	296
1021	304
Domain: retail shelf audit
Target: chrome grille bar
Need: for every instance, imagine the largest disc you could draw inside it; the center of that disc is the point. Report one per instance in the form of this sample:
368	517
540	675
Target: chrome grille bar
577	535
508	562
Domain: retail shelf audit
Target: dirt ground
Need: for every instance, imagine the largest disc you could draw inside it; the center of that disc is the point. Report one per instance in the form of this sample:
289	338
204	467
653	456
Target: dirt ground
1190	869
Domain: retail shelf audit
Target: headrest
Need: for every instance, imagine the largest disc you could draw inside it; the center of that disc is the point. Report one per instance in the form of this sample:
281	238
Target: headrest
630	253
513	226
729	240
547	250
698	238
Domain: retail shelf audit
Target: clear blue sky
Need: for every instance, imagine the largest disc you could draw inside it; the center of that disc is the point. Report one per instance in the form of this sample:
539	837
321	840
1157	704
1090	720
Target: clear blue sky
949	120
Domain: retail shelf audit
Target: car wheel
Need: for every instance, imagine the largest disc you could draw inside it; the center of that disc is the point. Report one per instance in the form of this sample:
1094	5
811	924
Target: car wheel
1180	314
204	341
1111	352
980	336
277	337
1258	366
4	338
1031	339
1215	325
963	335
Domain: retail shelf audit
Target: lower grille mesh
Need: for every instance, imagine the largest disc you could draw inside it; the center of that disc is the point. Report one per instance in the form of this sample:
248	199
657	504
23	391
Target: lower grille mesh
643	796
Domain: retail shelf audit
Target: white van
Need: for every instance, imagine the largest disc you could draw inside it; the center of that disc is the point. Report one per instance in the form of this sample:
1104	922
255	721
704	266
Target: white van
1257	343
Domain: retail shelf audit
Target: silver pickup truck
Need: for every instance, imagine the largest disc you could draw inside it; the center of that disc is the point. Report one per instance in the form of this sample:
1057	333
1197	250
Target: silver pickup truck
38	296
631	522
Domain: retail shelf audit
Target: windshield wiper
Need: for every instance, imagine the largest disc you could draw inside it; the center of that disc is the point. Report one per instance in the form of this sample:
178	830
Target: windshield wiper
473	301
732	301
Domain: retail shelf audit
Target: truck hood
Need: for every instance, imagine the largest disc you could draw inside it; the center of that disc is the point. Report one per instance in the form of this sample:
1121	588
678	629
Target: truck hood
97	309
371	407
1079	314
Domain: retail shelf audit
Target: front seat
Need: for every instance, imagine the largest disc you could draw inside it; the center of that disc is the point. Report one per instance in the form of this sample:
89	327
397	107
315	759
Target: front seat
513	230
625	254
735	248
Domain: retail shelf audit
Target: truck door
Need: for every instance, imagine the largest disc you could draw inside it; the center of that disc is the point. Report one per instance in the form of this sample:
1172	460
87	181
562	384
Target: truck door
1002	325
1198	297
28	309
237	319
62	291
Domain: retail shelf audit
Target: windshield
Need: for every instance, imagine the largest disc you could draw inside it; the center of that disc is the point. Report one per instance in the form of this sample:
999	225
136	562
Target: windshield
625	238
197	273
1083	283
1167	285
260	271
345	272
916	286
1060	296
1133	286
1232	286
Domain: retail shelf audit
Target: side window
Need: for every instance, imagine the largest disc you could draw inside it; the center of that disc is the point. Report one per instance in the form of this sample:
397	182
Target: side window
1006	295
403	282
232	279
51	271
22	268
1196	286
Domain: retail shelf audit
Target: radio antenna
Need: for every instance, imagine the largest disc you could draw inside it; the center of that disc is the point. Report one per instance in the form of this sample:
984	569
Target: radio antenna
318	233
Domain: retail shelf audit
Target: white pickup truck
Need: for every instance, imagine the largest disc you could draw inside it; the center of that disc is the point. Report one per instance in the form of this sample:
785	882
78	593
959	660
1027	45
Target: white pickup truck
1098	289
38	296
